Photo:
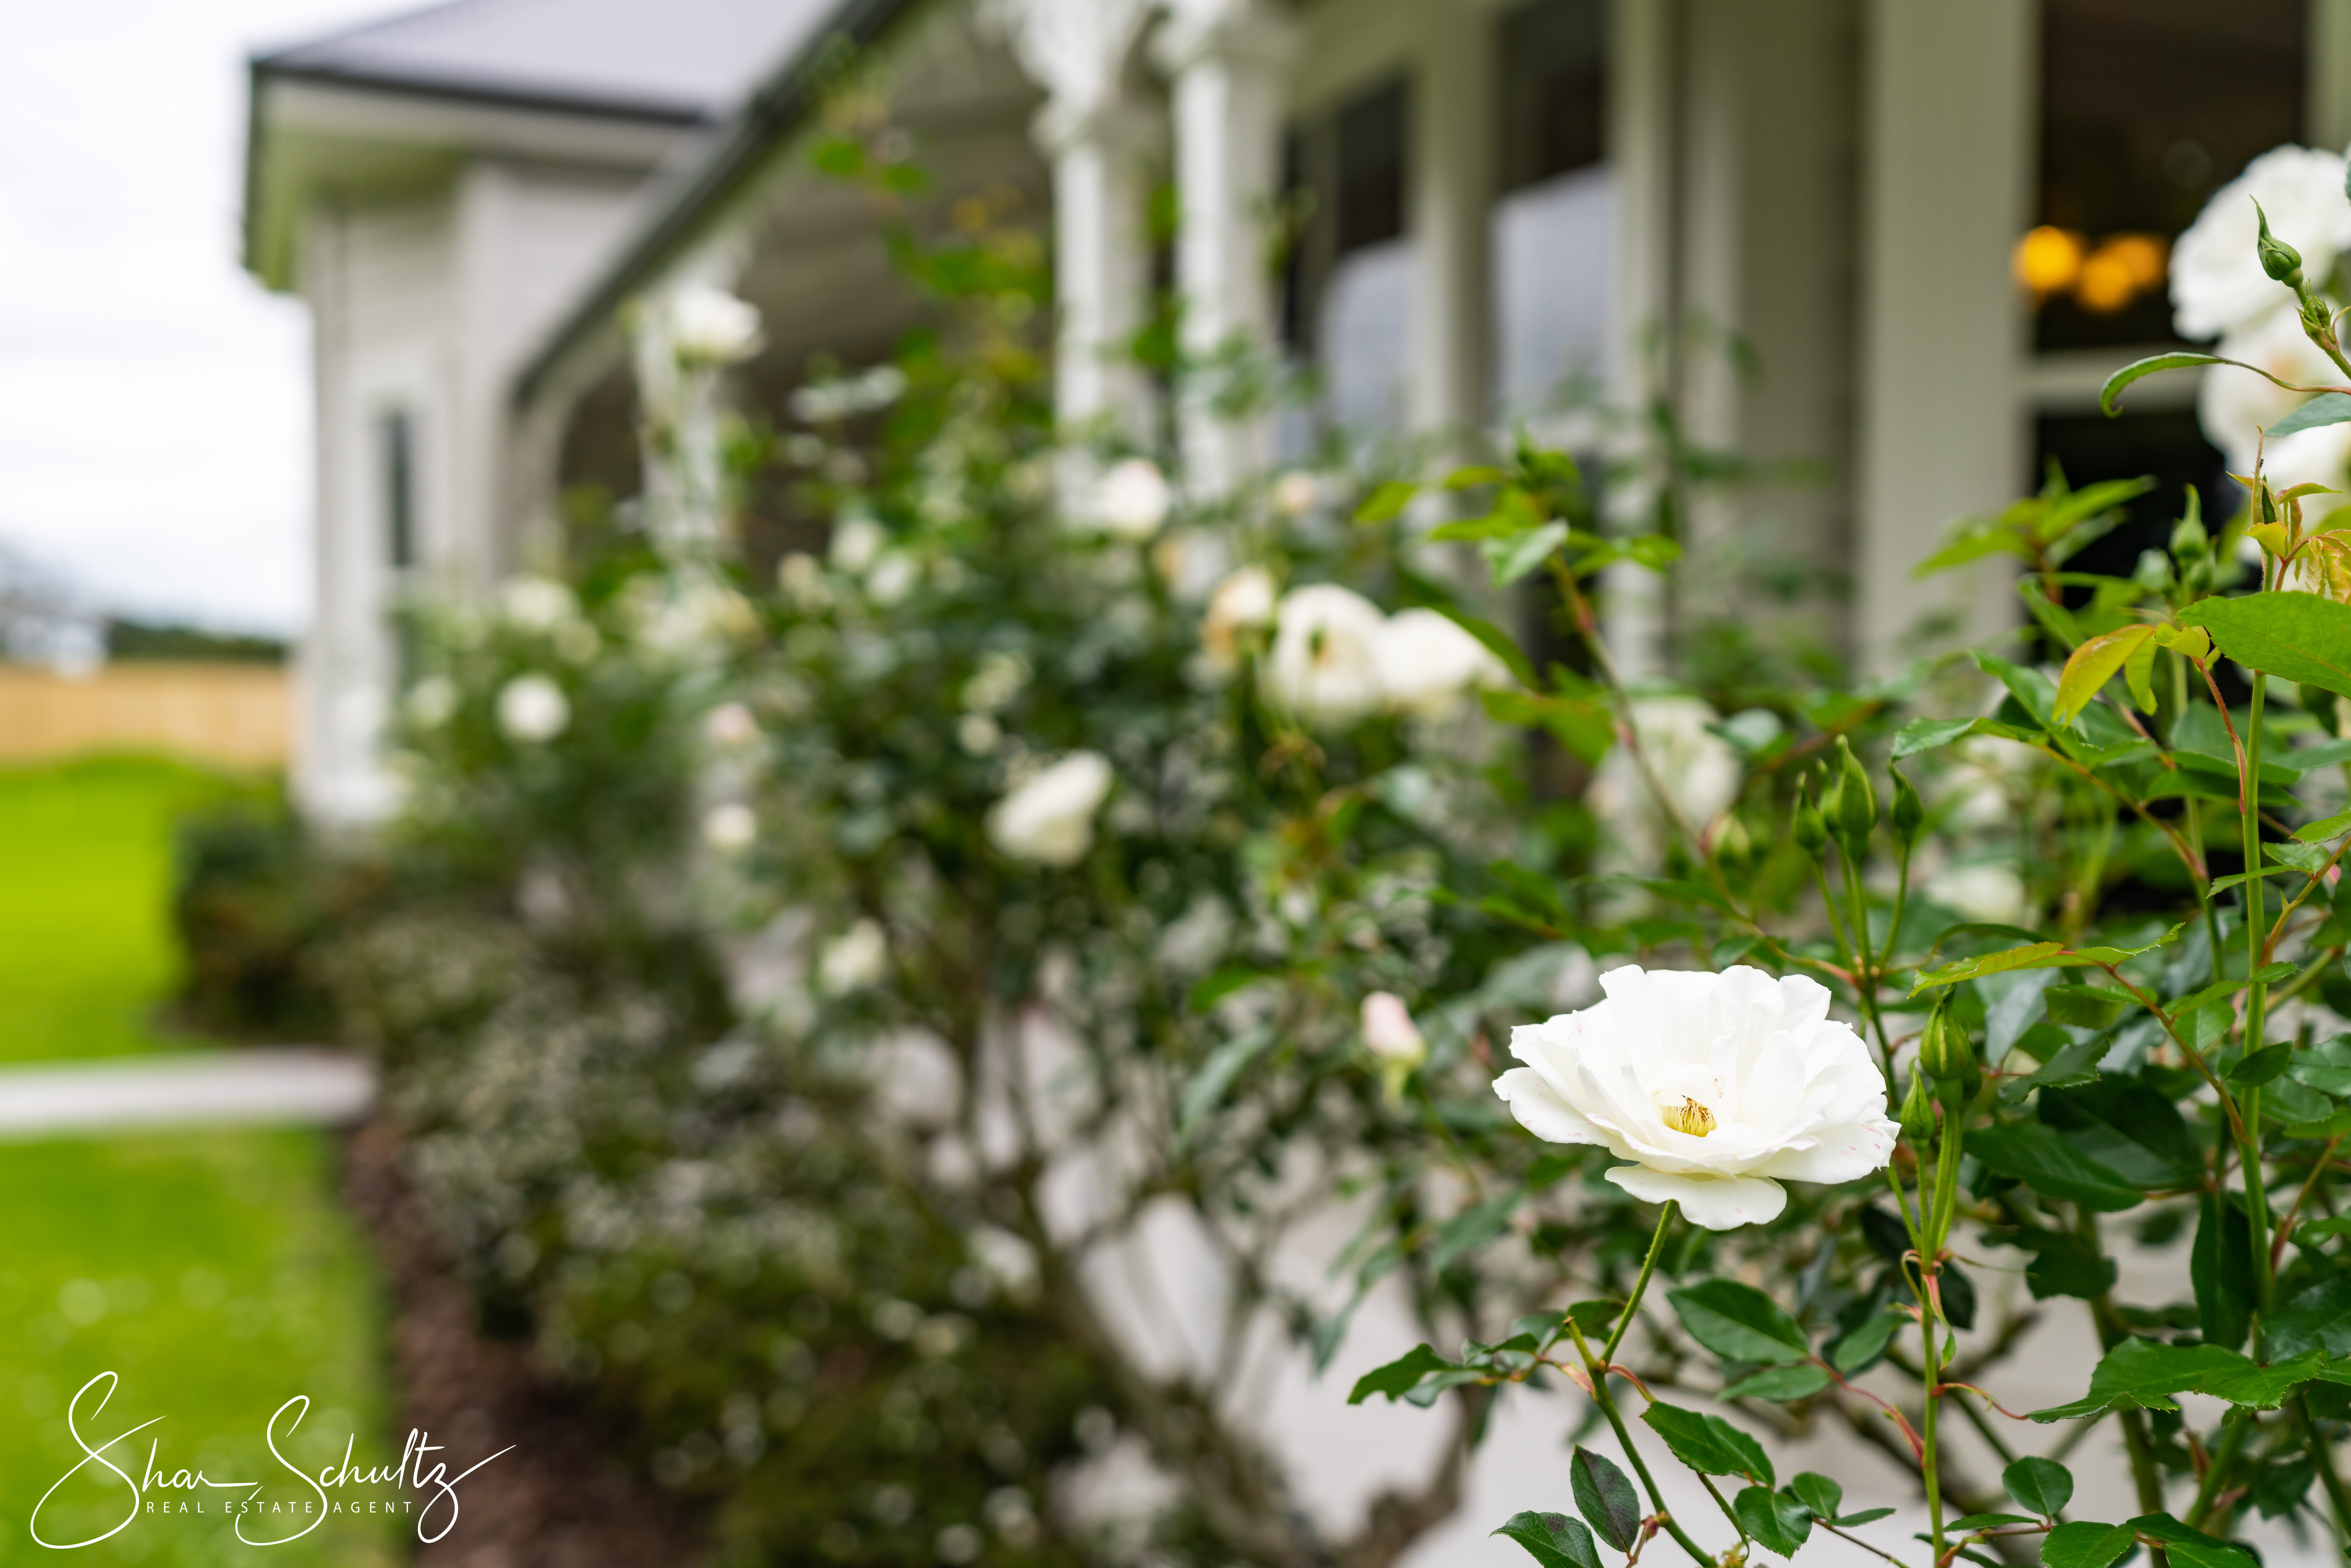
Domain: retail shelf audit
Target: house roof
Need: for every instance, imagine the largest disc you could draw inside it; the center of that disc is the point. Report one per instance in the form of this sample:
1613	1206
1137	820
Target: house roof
775	109
683	60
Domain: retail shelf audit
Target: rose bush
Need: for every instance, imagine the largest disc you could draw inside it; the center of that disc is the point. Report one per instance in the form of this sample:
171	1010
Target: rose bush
814	992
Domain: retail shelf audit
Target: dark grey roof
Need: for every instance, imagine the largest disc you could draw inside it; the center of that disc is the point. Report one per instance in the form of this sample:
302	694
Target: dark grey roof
683	59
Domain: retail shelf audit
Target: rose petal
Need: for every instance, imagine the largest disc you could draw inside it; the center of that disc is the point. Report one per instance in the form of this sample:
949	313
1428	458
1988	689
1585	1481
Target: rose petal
1714	1203
1842	1154
1542	1112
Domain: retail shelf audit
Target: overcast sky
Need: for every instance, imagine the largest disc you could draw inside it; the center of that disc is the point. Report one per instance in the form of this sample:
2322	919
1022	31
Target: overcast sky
154	401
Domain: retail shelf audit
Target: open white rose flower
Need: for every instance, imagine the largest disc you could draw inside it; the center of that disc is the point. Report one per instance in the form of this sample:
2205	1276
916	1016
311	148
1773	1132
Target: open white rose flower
1321	666
1051	819
1133	499
1426	661
533	708
709	326
2217	282
1718	1087
1243	603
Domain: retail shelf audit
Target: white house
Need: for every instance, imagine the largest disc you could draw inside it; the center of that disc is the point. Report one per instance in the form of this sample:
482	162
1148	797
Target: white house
1506	191
442	188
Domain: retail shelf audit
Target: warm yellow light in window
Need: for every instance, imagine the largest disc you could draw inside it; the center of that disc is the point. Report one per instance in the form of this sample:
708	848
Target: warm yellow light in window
2145	255
2048	259
2106	284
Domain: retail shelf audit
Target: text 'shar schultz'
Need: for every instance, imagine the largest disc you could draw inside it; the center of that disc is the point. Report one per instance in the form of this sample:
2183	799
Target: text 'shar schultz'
331	1489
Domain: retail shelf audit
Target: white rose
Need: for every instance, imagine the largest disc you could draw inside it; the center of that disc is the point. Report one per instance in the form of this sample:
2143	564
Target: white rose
730	828
1321	665
537	604
1699	770
1295	493
1717	1087
533	708
431	702
856	540
1242	602
710	327
2235	406
1426	661
853	960
1389	1031
1051	819
1133	499
2217	282
731	725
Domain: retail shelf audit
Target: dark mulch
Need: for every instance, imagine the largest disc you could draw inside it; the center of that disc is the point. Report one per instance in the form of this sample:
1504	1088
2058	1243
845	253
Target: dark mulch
557	1499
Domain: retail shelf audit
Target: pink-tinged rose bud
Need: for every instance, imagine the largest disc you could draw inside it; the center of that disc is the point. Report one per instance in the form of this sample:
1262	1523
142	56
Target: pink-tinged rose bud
1389	1031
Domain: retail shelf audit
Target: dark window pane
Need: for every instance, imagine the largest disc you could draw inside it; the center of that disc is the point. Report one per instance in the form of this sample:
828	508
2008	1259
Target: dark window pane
1371	169
2147	107
1554	90
398	460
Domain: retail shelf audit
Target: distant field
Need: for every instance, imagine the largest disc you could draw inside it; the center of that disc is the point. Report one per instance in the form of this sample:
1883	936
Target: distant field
213	1271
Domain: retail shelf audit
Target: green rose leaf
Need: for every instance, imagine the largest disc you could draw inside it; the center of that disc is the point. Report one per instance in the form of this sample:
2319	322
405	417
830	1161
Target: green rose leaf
2222	1271
2192	1548
1606	1498
2143	1374
2138	369
1553	1540
2083	1544
1710	1444
2327	408
1780	1521
1739	1322
1383	503
1855	1351
1819	1493
1400	1375
2040	1158
2043	1486
2084	1007
1595	1317
2303	637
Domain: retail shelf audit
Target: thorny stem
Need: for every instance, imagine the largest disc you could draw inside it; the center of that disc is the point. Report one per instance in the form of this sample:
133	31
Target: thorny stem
2224	1459
1641	1285
2256	935
1598	1373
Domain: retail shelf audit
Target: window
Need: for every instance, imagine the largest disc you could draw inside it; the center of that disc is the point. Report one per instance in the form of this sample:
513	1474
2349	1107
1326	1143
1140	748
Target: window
1555	217
2147	107
396	466
1347	302
396	472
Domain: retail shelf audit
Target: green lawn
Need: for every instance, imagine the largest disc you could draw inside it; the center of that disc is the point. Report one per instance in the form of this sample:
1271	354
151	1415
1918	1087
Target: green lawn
85	943
213	1273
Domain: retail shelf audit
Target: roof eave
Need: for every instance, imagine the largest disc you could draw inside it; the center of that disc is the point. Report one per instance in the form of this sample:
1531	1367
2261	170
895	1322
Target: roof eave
774	111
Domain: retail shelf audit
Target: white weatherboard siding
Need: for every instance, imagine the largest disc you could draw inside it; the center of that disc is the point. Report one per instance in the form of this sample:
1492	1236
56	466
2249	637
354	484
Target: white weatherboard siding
380	285
427	306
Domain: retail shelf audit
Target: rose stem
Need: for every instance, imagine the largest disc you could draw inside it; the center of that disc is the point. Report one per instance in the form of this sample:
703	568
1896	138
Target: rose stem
1641	1285
1598	1373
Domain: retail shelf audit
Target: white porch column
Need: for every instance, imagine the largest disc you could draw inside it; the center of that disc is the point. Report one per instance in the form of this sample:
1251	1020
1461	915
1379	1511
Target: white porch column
1230	60
1946	191
1078	50
1452	174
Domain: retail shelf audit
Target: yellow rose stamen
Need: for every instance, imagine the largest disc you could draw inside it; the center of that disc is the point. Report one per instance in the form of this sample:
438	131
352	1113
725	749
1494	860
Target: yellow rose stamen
1691	1117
